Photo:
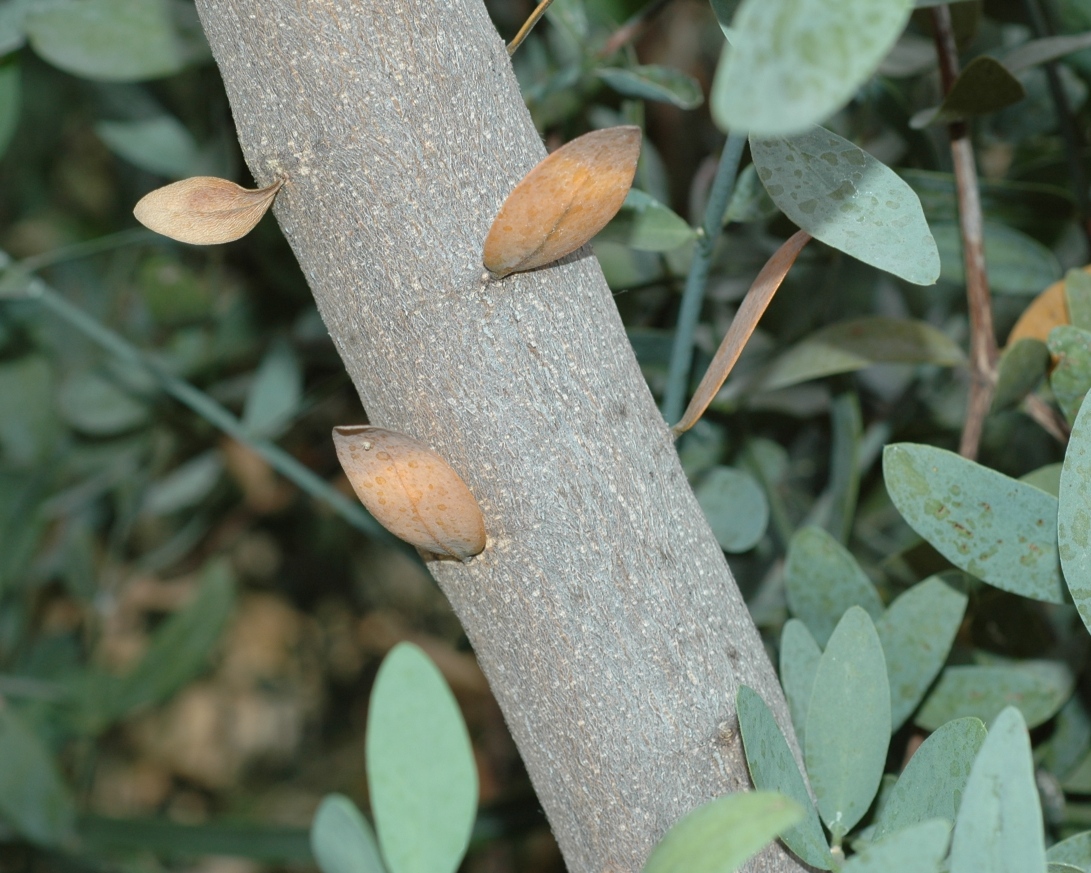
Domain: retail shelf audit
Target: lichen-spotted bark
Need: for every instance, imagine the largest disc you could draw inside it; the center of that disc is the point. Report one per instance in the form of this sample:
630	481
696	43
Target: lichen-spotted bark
602	610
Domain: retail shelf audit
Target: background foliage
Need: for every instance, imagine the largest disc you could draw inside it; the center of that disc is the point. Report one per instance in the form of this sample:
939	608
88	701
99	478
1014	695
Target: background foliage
192	611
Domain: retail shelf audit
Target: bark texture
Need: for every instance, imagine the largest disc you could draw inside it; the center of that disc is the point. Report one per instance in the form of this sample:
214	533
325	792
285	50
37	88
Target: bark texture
602	610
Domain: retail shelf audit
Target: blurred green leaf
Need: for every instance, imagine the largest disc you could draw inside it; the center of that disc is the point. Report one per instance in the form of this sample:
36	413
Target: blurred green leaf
22	524
173	293
160	145
844	197
984	85
421	770
848	723
1071	377
98	405
654	82
861	342
932	783
799	654
273	843
1042	51
341	839
185	486
1069	742
917	632
1015	263
750	202
275	393
1023	365
721	835
28	427
1076	850
33	798
792	64
822	581
735	507
1077	292
999	825
116	40
773	768
1037	688
13	15
10	98
1074	514
645	224
917	849
181	646
999	529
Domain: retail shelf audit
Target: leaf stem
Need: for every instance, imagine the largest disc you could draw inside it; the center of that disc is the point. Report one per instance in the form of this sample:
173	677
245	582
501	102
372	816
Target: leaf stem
219	416
693	296
983	348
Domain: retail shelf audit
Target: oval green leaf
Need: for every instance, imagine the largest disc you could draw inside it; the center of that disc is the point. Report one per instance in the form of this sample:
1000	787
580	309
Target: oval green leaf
917	632
932	784
341	839
822	580
848	723
421	771
275	394
654	82
1023	365
773	768
735	507
999	529
917	849
10	101
1015	263
160	145
999	825
1074	515
844	197
793	63
1076	850
799	654
1077	296
1037	688
721	835
985	85
1071	378
33	798
645	224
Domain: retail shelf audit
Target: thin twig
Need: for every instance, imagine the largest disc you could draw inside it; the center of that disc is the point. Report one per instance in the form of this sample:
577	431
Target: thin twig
528	26
742	326
983	349
631	29
696	282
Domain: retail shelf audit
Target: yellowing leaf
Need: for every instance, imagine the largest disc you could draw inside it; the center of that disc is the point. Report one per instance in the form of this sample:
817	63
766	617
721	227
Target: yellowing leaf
1046	311
204	210
411	491
564	201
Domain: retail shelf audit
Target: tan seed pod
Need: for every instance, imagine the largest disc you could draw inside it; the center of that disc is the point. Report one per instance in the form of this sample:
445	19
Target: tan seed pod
564	201
411	491
205	210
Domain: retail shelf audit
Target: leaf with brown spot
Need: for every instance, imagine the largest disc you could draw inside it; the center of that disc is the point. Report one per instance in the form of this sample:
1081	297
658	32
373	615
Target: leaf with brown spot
411	491
564	201
204	210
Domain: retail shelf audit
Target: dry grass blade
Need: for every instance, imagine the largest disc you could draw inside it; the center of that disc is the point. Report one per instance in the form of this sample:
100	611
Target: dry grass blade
411	491
742	327
205	210
564	201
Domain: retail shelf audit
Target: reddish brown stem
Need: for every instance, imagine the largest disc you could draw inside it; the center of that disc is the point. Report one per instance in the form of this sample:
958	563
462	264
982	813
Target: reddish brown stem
742	327
983	348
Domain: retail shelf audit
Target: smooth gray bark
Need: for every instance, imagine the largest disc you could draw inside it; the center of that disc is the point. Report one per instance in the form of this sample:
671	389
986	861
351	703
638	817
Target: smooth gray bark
602	611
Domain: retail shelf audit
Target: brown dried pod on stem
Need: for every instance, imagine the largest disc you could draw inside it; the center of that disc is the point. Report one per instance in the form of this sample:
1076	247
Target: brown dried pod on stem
564	201
204	210
411	491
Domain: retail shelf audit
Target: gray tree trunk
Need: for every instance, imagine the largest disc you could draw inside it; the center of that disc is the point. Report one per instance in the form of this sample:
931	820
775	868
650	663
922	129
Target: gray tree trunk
602	610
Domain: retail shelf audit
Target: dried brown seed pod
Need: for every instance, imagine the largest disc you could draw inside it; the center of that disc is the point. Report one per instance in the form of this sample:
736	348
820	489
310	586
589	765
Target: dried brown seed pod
205	210
411	491
564	201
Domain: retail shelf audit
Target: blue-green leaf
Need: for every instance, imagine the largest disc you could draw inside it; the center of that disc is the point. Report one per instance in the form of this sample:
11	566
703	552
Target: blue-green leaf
275	393
185	486
654	82
795	62
999	825
33	798
13	15
421	771
799	654
848	723
822	580
1071	378
1074	515
721	835
1076	850
28	430
1077	296
999	529
844	197
735	507
917	849
984	85
645	224
1015	262
1037	688
1022	366
10	101
932	784
160	145
341	839
773	768
917	632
